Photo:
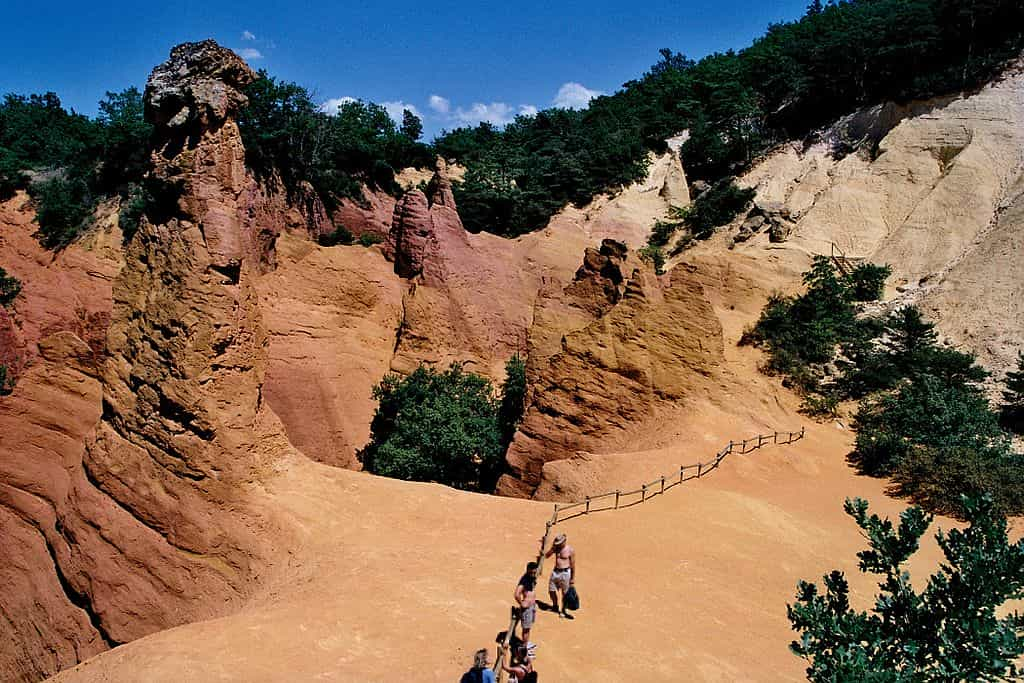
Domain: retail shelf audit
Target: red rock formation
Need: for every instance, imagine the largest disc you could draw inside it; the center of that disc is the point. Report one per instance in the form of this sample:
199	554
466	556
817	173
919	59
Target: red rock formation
123	477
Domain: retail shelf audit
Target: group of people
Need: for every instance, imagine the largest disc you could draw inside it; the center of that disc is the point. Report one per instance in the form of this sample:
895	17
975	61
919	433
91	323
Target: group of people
563	578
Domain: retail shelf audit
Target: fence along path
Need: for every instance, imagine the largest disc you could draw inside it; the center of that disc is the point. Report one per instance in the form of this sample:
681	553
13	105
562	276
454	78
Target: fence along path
618	499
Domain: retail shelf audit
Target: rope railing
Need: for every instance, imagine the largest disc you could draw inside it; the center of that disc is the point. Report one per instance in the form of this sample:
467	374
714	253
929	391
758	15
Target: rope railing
618	500
658	486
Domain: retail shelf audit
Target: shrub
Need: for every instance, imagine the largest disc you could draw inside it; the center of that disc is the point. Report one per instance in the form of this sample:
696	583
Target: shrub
340	235
1013	397
10	287
956	629
805	330
513	398
718	206
906	346
655	256
867	282
436	426
132	210
662	232
368	239
6	383
928	412
63	209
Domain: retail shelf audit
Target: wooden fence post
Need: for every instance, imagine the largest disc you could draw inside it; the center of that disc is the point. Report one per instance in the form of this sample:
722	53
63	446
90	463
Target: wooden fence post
663	483
617	499
682	471
643	492
588	506
700	466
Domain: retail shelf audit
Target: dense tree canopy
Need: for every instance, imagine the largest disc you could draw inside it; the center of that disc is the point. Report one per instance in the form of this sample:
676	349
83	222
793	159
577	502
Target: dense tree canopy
447	427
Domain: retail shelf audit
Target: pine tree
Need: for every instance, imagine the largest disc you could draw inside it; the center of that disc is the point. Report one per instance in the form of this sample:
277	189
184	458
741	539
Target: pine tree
1013	397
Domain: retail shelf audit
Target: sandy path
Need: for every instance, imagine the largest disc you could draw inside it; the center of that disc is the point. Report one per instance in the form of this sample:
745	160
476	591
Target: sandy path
401	580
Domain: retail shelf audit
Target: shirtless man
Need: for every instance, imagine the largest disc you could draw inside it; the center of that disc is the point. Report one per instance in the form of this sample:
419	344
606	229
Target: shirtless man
526	598
564	573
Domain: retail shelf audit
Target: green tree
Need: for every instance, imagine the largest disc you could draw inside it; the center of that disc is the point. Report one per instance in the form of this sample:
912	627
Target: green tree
125	138
63	209
411	127
436	426
1013	397
928	412
951	631
513	398
867	281
10	287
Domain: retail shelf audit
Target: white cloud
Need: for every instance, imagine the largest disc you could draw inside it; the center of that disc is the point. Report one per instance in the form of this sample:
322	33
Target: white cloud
332	106
527	110
249	53
395	108
440	104
574	95
248	35
497	113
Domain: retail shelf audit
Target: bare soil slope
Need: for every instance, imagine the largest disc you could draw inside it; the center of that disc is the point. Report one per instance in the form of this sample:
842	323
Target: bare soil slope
399	580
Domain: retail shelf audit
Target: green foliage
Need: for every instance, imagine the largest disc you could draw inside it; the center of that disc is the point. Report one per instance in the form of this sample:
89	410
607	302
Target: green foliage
662	233
1013	397
951	631
81	160
10	287
368	239
936	440
133	207
906	347
63	209
823	405
719	205
513	398
805	330
124	135
411	127
285	133
436	426
340	235
655	256
867	282
518	178
6	383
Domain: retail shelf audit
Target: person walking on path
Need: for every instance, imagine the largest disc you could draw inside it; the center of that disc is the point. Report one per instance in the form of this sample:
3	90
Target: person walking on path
526	597
481	672
521	669
563	575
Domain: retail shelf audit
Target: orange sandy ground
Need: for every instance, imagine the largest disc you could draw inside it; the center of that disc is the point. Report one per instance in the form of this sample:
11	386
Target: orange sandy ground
404	581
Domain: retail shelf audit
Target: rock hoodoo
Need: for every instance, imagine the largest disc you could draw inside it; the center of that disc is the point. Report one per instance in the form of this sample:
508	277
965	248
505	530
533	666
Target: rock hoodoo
123	473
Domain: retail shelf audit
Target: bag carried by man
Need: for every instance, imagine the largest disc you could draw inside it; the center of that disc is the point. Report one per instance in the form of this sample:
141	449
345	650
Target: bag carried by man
572	599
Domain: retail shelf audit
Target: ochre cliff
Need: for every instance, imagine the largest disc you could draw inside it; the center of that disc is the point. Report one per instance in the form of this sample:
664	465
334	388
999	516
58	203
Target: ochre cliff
933	189
126	466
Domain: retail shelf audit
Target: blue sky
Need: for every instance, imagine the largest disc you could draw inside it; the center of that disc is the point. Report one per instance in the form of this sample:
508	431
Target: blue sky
454	63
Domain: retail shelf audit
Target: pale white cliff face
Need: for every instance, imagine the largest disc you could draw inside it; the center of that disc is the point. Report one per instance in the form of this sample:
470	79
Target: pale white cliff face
940	202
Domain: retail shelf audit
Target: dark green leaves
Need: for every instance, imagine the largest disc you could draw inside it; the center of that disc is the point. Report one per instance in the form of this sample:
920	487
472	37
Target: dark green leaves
444	426
948	632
